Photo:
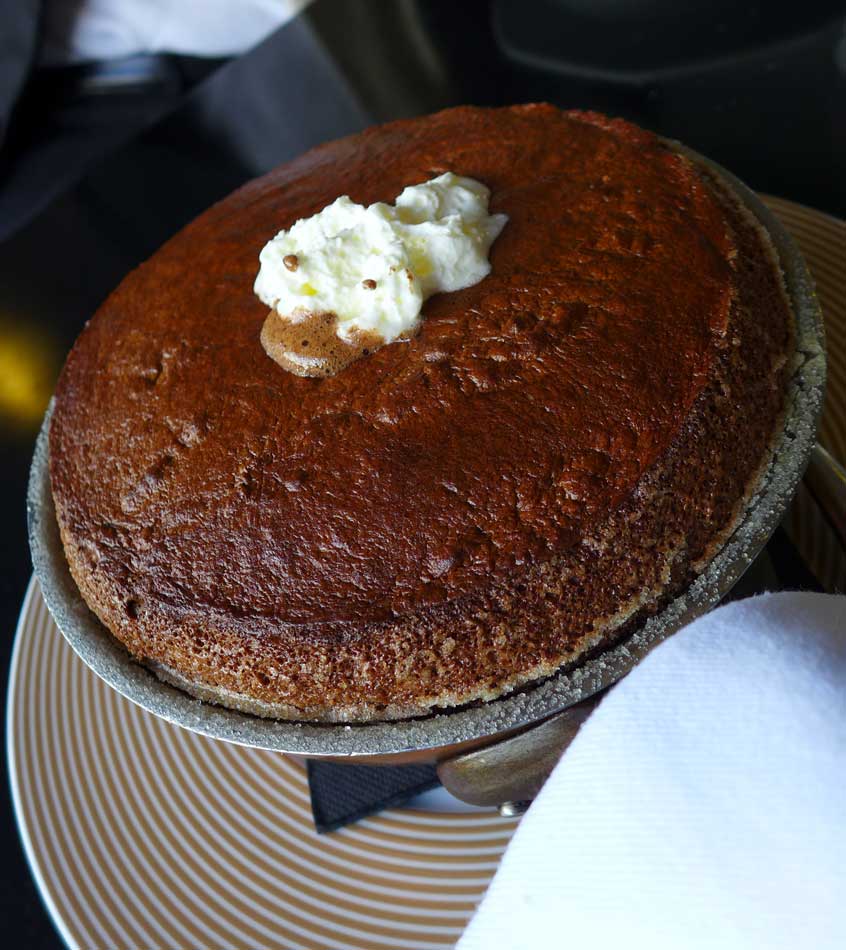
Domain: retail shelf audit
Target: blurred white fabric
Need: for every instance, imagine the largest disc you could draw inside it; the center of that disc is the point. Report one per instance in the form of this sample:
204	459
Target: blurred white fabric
702	805
78	31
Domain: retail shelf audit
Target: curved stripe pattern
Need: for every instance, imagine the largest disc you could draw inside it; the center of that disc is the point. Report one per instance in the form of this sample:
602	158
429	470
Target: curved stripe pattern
143	835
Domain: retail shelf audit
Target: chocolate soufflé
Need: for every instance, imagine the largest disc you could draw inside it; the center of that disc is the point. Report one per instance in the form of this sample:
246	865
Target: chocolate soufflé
560	448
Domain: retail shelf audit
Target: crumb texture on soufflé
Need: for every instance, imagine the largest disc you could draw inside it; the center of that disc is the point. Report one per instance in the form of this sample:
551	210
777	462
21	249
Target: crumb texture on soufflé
559	447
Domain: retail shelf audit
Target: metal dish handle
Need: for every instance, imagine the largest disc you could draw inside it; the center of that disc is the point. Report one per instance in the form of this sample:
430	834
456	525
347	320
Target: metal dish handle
509	774
825	479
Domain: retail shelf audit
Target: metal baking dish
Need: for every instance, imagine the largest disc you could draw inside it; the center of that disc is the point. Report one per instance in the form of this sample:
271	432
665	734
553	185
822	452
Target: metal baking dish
515	757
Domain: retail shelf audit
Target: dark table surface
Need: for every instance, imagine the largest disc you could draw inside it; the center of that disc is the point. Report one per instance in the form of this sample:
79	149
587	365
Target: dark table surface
93	183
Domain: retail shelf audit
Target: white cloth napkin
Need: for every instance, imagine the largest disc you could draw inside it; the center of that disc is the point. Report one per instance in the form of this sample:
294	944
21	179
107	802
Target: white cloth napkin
88	30
703	804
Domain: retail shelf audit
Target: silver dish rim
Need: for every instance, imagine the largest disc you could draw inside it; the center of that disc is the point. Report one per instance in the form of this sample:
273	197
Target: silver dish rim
108	658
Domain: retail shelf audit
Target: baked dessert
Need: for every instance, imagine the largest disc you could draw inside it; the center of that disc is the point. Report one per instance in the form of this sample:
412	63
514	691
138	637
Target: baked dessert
560	448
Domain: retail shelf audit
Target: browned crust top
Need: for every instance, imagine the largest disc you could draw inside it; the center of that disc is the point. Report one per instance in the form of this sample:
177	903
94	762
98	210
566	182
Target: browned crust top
221	514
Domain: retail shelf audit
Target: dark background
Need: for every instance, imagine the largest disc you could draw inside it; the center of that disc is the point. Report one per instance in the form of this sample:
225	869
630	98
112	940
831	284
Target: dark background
101	164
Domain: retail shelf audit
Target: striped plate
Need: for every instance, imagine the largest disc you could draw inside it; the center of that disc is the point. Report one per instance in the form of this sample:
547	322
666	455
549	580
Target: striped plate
143	835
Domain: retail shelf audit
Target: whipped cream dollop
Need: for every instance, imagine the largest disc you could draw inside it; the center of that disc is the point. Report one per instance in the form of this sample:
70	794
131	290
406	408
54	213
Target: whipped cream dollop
371	268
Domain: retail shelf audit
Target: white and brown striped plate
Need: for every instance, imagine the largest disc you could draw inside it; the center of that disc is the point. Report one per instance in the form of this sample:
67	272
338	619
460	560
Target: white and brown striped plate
142	835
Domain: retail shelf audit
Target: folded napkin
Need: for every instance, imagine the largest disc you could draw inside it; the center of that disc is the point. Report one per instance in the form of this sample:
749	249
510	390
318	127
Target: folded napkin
342	794
703	804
